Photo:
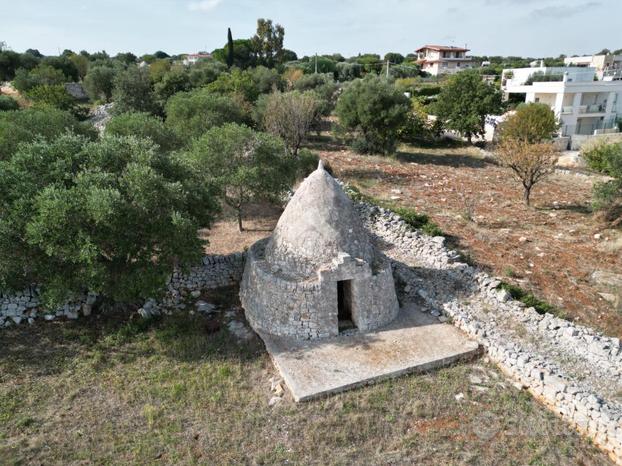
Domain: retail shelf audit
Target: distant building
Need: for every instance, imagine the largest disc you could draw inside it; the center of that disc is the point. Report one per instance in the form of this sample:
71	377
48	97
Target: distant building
443	59
608	67
584	105
193	58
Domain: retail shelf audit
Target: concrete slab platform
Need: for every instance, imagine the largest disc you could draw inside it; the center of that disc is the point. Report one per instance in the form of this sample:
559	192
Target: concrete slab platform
414	342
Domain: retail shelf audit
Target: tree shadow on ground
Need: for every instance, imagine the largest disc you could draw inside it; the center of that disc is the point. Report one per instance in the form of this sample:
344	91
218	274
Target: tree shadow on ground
584	209
445	160
47	348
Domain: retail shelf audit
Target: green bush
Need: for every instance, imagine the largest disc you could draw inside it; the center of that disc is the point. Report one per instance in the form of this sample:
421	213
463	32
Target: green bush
529	299
52	95
25	80
112	216
26	125
373	111
600	156
191	114
608	195
144	125
8	103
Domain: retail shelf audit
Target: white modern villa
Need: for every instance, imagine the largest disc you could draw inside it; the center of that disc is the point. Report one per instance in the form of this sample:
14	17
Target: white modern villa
584	105
608	67
443	59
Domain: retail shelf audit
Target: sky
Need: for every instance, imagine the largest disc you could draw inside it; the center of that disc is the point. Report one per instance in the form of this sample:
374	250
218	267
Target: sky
535	28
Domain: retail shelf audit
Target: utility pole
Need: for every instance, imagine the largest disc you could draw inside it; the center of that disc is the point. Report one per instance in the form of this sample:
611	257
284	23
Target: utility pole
316	63
388	69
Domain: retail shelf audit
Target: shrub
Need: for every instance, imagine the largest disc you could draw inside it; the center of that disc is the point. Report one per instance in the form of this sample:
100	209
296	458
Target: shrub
244	164
8	103
237	82
113	216
608	194
132	92
52	95
599	156
373	111
146	126
26	125
190	114
41	75
531	123
176	80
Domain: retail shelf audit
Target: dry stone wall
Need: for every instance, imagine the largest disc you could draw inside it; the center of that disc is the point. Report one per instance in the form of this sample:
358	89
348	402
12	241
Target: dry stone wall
574	370
215	271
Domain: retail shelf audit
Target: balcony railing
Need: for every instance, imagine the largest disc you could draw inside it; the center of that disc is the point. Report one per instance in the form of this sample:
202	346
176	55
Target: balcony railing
595	108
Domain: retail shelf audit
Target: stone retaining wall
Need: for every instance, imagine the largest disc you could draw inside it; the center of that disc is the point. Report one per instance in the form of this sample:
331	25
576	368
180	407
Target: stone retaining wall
572	369
214	272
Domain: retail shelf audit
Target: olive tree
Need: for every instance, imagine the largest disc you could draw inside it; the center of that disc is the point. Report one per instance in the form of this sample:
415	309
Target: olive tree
290	116
373	110
146	126
99	82
133	92
114	216
245	165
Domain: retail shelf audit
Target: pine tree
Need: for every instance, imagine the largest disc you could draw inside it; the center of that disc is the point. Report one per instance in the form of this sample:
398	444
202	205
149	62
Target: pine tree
229	48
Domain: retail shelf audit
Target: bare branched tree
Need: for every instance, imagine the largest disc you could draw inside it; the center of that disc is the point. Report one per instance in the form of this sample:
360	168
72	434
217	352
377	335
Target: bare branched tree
290	116
529	162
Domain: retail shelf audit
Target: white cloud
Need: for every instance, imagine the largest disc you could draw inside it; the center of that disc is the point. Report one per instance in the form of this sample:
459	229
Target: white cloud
204	5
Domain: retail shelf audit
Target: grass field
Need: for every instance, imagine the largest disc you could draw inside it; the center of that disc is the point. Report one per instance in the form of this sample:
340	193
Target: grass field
113	390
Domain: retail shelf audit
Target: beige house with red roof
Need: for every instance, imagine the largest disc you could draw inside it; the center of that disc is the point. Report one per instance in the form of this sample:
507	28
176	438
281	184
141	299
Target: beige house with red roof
443	59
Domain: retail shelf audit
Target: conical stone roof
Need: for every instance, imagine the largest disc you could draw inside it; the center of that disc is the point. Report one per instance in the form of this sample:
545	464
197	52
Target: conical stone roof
318	224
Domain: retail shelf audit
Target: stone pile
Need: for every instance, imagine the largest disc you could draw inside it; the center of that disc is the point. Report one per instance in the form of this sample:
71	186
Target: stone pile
574	370
25	306
214	272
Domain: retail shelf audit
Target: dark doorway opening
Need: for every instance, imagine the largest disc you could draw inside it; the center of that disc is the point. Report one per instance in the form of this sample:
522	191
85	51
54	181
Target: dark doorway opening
344	305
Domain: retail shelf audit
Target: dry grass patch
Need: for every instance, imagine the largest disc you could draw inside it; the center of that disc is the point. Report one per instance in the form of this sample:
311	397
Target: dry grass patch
112	390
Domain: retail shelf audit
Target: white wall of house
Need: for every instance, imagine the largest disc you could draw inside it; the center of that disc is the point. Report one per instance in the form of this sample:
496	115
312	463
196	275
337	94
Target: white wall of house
583	106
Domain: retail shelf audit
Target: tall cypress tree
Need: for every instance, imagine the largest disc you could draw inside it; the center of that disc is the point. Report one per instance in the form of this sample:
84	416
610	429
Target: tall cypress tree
229	48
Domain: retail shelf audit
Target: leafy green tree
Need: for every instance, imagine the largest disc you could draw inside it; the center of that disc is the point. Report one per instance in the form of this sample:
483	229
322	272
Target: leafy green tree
230	49
290	116
145	126
190	114
8	103
244	164
373	111
99	83
31	123
533	123
158	69
394	58
160	55
64	65
243	54
81	63
176	80
465	101
127	58
113	216
133	92
346	71
52	95
9	63
267	43
204	73
237	82
267	79
41	75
